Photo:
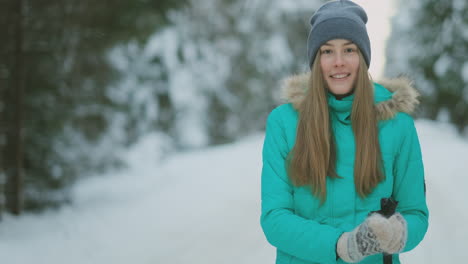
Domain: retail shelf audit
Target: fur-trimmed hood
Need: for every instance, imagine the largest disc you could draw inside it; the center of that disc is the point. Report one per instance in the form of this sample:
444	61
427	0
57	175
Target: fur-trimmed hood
401	95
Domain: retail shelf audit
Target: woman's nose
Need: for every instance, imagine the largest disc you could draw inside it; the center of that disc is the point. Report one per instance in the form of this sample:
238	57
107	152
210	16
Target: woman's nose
339	61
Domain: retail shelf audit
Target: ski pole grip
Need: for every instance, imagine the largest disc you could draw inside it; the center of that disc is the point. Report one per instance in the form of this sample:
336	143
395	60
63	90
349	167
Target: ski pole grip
387	206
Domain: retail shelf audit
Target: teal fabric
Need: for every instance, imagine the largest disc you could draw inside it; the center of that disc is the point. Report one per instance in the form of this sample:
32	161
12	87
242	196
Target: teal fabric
293	220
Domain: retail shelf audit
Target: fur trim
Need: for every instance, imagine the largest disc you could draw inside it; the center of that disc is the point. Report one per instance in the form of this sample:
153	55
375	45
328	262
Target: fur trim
294	89
404	98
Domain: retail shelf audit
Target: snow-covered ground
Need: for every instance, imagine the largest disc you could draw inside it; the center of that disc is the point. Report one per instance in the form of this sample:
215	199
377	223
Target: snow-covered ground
203	207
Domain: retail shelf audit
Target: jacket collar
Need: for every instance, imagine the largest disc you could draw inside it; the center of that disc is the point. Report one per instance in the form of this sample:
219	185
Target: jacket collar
390	95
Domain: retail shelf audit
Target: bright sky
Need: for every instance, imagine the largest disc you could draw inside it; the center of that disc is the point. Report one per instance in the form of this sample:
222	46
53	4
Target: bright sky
379	14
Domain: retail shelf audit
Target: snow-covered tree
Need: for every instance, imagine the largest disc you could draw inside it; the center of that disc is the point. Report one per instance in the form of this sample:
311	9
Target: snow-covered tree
57	108
230	56
429	44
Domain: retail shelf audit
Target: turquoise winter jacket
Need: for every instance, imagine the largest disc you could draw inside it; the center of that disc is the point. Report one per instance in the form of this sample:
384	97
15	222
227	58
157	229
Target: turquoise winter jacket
304	232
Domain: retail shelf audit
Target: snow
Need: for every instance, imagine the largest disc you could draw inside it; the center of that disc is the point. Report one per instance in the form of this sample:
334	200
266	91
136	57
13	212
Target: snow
464	72
442	65
459	4
203	207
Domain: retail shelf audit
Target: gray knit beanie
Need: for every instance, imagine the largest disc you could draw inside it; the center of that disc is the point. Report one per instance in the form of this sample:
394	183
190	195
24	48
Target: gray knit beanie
342	19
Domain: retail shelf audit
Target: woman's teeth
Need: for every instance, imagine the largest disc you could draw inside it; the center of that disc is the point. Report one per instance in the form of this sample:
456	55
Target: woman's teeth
340	76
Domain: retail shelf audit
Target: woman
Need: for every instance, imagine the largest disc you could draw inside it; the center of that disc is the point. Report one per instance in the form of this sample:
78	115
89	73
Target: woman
340	145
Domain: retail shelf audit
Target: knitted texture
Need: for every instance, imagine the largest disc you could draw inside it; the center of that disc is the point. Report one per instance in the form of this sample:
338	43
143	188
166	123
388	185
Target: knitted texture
376	234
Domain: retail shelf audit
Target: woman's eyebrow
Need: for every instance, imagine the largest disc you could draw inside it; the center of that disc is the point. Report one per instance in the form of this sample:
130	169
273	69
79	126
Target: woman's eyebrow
345	44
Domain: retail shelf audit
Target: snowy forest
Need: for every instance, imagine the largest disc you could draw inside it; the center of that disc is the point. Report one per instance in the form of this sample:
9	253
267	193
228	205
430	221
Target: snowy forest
103	98
429	44
81	82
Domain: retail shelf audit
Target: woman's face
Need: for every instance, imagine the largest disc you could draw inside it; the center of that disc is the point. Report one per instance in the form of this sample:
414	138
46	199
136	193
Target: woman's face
339	61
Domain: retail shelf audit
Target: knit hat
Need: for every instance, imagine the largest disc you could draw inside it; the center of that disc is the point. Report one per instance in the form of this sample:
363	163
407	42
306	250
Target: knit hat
342	19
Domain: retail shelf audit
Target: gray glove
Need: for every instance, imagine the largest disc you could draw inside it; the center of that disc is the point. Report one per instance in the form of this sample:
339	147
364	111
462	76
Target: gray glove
376	234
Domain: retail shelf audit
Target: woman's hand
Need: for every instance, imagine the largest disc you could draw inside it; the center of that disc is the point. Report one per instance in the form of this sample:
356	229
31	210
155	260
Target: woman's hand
376	234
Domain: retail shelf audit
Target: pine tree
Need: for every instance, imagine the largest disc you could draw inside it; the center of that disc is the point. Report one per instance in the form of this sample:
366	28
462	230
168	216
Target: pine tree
239	53
429	43
52	126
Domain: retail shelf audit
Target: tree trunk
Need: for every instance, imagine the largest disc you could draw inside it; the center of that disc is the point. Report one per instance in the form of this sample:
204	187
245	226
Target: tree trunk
3	85
15	177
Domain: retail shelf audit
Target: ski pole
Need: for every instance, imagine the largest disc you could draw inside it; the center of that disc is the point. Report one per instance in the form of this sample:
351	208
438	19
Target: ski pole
387	209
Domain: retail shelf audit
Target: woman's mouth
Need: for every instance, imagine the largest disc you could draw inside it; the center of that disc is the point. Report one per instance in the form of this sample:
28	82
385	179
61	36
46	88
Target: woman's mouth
340	75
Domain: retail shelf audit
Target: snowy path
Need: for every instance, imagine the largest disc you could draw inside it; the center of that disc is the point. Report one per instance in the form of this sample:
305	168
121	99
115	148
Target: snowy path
446	165
203	207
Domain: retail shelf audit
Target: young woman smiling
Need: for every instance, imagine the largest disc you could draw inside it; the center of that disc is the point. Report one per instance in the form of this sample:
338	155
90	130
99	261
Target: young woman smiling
339	145
339	61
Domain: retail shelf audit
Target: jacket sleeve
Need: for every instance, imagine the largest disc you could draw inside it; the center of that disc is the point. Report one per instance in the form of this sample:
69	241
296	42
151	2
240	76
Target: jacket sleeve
303	238
409	186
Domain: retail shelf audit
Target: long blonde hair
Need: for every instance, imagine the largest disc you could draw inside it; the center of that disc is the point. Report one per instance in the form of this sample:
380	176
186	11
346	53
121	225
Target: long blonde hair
313	156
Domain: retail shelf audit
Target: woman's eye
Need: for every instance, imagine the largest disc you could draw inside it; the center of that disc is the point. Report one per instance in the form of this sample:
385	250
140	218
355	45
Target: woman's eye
327	51
349	50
